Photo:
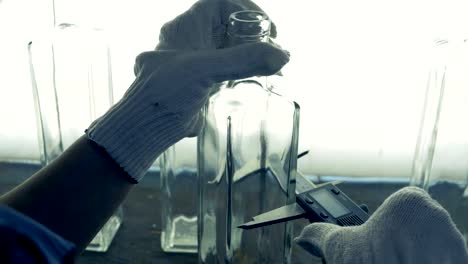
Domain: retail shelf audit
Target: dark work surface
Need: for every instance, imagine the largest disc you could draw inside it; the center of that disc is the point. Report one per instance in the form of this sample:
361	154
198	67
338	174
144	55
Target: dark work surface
137	241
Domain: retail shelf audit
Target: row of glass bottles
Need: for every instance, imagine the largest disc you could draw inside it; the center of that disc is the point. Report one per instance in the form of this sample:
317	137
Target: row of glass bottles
72	86
249	130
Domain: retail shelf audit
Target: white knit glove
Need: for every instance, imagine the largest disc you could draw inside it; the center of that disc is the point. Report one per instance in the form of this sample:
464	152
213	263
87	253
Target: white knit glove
409	227
162	105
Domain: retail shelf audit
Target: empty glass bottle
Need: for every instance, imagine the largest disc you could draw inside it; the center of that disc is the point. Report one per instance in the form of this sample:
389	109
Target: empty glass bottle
441	159
424	152
179	205
72	86
247	155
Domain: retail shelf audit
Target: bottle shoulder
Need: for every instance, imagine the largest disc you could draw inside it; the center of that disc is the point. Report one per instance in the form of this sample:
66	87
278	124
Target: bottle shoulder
249	91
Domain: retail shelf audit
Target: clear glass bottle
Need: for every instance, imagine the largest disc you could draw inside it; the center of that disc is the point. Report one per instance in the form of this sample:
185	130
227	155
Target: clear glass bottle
72	86
440	161
247	155
425	146
179	205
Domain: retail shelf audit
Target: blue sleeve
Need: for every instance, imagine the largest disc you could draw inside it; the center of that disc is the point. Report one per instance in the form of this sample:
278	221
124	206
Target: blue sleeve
22	240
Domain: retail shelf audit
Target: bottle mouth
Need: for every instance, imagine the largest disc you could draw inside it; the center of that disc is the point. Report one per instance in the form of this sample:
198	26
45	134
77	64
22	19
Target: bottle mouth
249	23
251	16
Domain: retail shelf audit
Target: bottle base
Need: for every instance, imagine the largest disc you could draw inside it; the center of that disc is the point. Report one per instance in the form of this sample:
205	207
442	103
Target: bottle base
182	237
104	237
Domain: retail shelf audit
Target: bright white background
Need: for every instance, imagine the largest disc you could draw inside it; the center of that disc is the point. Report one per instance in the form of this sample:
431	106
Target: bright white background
358	69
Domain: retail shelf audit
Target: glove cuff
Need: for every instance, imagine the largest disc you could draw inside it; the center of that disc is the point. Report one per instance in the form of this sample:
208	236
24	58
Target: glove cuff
135	133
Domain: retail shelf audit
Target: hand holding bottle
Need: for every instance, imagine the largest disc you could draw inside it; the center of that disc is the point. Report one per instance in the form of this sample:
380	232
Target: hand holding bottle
203	26
172	84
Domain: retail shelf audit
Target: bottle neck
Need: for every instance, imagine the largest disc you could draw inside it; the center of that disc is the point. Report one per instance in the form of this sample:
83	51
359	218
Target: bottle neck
248	26
236	39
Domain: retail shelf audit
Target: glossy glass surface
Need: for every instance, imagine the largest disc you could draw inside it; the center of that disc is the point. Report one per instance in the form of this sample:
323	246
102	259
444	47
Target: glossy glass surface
247	154
180	198
237	175
72	86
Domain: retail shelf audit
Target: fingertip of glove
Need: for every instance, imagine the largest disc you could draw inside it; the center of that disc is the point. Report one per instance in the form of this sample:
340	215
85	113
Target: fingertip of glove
318	230
309	247
272	58
413	189
411	206
273	30
314	236
410	195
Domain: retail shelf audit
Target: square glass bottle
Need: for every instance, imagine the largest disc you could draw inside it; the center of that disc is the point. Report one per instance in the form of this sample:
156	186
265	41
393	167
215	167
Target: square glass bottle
179	207
247	158
72	86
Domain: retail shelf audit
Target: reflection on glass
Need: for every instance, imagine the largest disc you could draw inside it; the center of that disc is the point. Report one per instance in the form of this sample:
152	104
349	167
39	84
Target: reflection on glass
179	197
247	154
72	86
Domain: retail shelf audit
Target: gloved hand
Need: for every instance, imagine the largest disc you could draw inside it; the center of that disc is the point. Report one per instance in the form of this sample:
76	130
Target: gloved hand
173	83
409	227
203	26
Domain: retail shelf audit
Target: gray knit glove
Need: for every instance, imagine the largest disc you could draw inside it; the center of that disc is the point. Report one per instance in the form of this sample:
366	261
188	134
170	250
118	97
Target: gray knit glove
204	25
162	105
409	227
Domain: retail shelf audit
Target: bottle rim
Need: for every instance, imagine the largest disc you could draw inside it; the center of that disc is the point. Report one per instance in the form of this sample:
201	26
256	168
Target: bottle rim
256	16
250	19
